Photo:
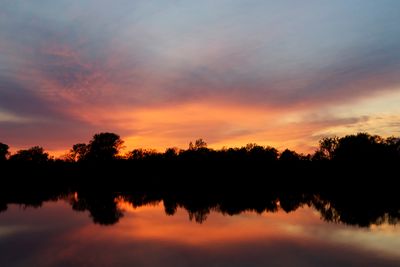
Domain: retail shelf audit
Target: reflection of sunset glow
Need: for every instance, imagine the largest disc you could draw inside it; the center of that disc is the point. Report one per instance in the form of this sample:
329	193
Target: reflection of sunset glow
383	238
150	222
128	207
304	225
146	231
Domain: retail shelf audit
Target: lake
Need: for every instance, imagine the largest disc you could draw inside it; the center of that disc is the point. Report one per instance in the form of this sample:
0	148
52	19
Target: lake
68	231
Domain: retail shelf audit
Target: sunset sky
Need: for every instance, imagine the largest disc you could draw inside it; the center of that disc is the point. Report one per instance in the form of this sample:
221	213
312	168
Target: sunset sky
162	73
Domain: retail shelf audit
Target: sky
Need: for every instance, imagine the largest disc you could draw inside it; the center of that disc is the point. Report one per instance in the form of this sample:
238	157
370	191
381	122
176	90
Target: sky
163	73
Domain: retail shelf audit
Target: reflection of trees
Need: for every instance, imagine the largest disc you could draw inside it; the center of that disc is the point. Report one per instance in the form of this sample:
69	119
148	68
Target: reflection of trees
199	215
362	209
29	197
353	207
3	207
101	206
349	208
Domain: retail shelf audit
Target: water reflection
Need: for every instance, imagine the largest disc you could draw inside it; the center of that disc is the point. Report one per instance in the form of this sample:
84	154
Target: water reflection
106	207
150	226
55	235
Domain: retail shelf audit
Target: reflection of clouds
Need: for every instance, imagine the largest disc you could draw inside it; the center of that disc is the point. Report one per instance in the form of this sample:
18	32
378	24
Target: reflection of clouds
383	239
147	237
304	224
10	230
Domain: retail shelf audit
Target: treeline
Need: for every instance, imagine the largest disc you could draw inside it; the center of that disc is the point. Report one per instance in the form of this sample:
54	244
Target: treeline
107	146
336	163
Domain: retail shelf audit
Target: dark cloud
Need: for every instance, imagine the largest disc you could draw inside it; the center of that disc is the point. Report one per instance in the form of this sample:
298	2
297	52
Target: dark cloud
19	100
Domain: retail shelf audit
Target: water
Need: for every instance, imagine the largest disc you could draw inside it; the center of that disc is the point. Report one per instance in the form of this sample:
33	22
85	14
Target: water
55	234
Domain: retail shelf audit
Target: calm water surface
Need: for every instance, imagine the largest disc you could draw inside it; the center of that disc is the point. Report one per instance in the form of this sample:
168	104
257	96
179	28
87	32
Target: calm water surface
56	235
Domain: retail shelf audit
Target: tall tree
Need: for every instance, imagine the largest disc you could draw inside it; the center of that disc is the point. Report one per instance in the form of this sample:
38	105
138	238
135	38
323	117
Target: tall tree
78	152
104	147
4	151
327	148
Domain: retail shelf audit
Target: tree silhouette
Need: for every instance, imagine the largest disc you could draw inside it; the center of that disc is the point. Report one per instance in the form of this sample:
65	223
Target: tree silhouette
360	147
34	154
4	151
289	155
257	152
393	147
104	147
78	152
171	153
140	153
327	148
198	145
